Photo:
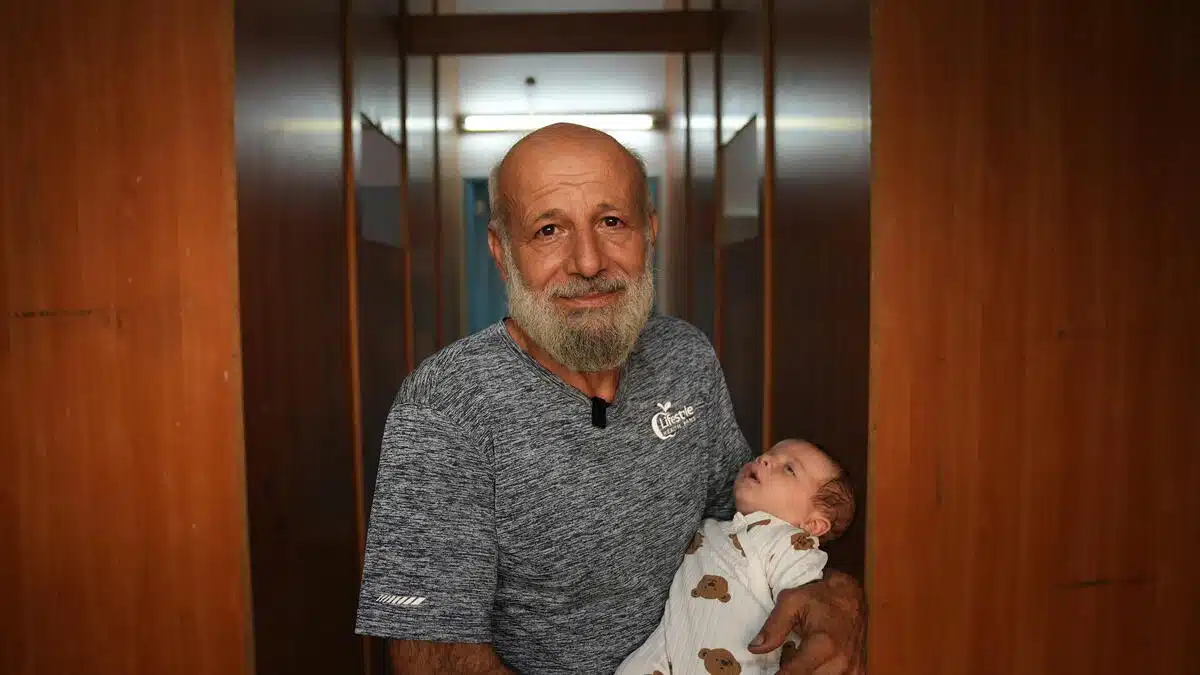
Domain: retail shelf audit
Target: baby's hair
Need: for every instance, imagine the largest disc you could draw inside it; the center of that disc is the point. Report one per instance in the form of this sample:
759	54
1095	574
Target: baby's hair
835	499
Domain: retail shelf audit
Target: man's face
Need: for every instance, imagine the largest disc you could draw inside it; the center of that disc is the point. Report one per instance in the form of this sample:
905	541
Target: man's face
783	482
577	264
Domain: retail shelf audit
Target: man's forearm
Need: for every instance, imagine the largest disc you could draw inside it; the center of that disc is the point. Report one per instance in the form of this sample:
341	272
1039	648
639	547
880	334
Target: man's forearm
415	657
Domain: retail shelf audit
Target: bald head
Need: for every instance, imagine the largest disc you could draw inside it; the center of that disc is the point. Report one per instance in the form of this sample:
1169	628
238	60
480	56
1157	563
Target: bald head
533	152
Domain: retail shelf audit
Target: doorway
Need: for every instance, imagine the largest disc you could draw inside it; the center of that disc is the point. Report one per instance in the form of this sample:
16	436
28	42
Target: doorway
486	302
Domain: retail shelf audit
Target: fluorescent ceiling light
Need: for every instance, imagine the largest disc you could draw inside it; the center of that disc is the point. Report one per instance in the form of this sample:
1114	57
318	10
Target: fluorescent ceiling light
604	122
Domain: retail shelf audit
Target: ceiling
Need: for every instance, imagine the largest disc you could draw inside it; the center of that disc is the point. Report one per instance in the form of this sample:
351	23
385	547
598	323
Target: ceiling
555	6
575	83
565	83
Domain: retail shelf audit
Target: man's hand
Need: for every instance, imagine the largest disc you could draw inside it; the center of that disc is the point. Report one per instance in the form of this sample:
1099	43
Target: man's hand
830	618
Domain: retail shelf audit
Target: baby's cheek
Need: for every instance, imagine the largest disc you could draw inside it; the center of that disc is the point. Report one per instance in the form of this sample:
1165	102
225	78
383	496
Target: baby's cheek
789	504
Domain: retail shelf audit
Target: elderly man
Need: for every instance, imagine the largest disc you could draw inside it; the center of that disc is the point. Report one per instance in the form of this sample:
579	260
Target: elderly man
540	480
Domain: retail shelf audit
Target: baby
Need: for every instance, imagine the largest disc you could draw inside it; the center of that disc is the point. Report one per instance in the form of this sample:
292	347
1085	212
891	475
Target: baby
789	501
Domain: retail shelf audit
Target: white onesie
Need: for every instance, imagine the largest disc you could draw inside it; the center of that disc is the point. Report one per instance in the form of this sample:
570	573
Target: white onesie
722	593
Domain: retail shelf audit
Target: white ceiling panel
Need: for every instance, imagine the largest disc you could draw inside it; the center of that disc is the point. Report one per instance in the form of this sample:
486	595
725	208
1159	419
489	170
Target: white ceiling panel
566	83
555	6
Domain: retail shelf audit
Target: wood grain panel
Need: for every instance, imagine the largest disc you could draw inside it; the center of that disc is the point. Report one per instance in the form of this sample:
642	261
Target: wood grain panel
423	223
742	319
381	308
674	269
380	274
739	316
821	239
702	207
122	544
742	44
1036	274
299	421
450	203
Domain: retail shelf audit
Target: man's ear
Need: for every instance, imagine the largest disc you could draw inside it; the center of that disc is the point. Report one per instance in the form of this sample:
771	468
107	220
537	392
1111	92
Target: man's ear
496	247
653	224
817	525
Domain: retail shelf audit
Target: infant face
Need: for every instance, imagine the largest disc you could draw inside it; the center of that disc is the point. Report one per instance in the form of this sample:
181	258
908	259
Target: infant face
783	481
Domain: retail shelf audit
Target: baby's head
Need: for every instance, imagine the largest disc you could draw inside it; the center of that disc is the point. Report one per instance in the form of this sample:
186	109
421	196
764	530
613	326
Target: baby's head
800	483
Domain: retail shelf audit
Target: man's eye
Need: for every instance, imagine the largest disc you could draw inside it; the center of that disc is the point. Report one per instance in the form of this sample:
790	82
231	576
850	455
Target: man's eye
547	230
612	221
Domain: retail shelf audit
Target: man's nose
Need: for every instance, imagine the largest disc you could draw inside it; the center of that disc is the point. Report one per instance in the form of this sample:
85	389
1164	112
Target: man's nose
587	259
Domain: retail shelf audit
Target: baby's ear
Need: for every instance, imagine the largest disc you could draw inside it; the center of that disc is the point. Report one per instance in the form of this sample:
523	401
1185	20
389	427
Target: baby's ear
817	525
704	653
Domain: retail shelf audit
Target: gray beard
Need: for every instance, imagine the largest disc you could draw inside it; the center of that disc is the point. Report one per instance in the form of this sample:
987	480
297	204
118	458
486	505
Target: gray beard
584	340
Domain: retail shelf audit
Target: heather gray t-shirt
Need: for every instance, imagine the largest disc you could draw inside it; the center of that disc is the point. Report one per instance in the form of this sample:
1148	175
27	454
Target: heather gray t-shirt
503	515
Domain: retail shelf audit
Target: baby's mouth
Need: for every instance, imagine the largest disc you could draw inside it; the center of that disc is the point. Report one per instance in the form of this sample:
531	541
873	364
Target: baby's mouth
751	473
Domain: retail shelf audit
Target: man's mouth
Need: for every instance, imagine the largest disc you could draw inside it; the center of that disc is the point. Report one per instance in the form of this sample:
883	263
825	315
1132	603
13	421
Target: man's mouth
590	299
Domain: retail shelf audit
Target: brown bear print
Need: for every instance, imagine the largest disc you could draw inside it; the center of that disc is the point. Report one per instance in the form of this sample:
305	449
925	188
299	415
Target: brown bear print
802	541
720	662
764	521
788	653
695	544
712	587
737	544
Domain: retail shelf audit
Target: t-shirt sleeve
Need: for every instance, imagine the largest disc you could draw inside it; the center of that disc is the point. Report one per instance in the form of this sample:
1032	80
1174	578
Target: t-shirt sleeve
730	451
792	558
430	566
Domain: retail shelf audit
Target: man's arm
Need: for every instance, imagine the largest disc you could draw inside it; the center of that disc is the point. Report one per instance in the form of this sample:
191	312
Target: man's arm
430	565
830	616
416	657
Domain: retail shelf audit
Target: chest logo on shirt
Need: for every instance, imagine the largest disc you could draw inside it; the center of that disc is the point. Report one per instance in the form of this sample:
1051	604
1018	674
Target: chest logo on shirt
666	422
